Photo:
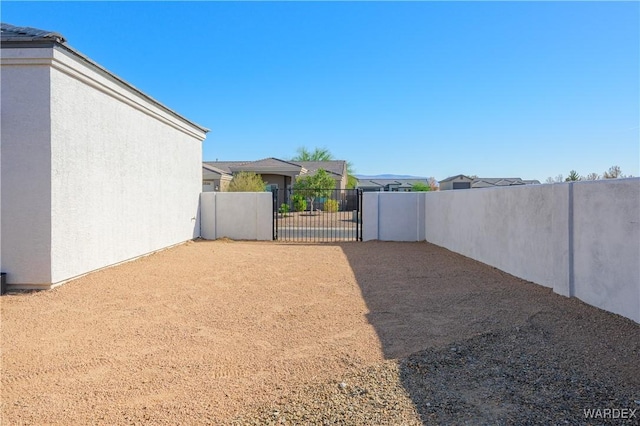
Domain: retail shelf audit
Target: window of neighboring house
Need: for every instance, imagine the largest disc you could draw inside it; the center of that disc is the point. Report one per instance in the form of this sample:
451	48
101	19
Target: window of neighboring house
271	187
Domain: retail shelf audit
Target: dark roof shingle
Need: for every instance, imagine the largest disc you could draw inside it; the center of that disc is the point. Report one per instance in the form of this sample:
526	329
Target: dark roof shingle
10	32
335	167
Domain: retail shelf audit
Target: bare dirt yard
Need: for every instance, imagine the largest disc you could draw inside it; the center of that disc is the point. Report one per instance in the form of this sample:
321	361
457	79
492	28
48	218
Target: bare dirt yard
223	332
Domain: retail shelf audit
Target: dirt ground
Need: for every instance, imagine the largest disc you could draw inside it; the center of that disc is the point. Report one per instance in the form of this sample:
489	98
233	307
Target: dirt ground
223	332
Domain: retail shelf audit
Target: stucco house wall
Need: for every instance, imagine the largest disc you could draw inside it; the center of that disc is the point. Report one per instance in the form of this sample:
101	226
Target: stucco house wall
447	184
214	180
215	185
25	169
94	172
281	181
341	183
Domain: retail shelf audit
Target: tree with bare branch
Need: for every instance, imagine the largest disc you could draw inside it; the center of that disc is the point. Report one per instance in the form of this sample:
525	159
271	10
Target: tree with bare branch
614	172
592	176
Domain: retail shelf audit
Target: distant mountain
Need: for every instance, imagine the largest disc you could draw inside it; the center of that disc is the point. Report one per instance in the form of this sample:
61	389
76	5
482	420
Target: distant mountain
388	176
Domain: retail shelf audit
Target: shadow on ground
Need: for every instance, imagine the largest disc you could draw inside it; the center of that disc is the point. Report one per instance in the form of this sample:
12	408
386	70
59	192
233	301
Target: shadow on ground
477	345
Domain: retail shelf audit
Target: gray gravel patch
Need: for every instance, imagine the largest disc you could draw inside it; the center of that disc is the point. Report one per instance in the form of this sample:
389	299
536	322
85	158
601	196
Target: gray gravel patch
518	376
541	373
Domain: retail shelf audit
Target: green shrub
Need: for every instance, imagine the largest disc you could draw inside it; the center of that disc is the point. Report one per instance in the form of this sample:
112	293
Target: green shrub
420	187
299	203
331	206
318	185
246	182
284	208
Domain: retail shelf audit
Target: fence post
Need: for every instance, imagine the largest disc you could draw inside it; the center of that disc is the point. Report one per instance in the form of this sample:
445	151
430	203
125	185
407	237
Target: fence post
359	215
274	223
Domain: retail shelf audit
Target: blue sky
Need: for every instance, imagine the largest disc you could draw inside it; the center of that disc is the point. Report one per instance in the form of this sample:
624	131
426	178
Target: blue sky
495	89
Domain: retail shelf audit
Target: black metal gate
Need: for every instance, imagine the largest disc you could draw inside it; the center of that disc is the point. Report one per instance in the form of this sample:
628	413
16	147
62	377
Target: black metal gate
317	215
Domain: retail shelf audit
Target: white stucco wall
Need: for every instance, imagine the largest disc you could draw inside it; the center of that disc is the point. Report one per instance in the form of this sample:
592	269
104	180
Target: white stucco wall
25	169
369	216
122	175
393	216
237	215
606	243
509	228
582	239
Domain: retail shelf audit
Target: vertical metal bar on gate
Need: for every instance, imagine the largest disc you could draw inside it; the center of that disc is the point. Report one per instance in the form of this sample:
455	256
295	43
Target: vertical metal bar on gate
274	194
330	218
359	215
357	218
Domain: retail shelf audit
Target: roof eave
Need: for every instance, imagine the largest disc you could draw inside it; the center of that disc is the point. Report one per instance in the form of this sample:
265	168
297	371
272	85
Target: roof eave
26	42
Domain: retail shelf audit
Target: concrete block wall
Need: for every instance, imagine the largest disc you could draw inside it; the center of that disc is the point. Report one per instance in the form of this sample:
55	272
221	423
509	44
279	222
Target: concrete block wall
582	239
393	216
606	245
236	215
520	230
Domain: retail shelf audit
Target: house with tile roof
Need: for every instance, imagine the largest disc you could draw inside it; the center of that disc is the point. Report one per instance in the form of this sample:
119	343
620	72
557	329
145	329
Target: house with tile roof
279	174
392	185
466	182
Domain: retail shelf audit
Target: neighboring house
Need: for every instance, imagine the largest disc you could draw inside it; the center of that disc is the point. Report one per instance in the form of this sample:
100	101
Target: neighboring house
490	182
276	173
337	169
466	182
214	179
455	182
93	171
393	185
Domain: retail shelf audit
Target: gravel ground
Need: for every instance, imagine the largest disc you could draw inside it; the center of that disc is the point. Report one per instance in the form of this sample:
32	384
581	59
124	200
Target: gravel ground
228	332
